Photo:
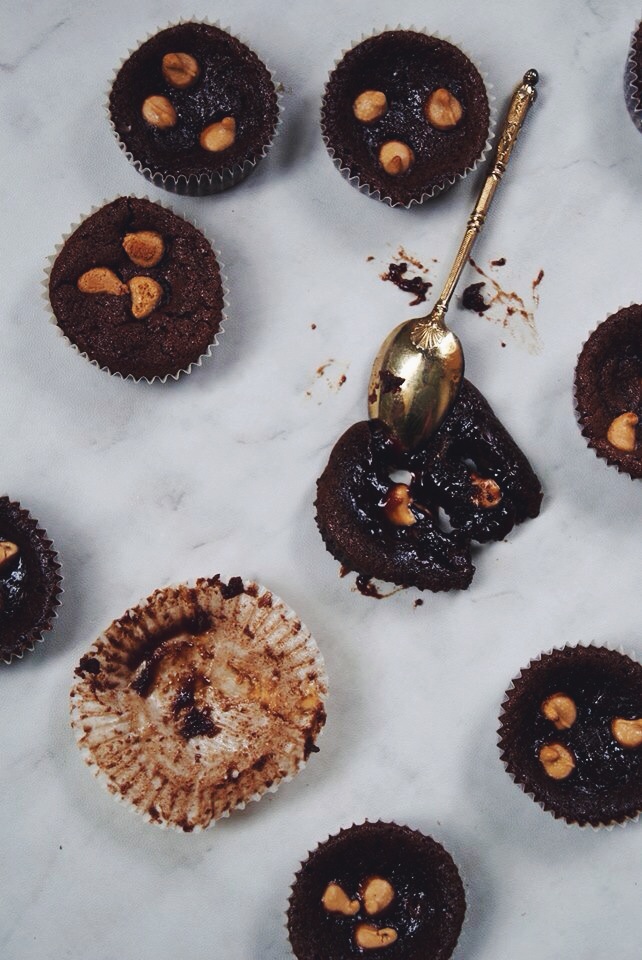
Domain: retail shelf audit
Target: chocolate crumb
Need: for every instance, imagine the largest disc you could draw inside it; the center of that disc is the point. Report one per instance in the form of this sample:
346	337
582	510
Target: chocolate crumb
396	274
369	259
538	279
342	380
313	326
503	344
419	602
390	383
498	263
232	589
472	299
198	723
87	665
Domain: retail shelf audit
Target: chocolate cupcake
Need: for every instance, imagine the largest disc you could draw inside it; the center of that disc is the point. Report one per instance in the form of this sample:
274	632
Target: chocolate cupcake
375	886
633	77
608	390
29	581
199	700
194	109
471	470
138	291
405	115
571	734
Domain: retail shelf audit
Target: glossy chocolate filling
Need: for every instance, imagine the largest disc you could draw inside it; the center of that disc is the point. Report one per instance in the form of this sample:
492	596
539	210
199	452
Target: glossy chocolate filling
606	784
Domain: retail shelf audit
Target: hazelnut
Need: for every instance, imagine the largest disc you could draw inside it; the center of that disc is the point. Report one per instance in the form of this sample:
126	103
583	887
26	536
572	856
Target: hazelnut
8	551
146	295
180	70
368	937
395	157
144	248
442	109
560	710
335	900
621	432
557	760
101	280
628	733
397	506
487	493
376	894
370	105
218	136
158	112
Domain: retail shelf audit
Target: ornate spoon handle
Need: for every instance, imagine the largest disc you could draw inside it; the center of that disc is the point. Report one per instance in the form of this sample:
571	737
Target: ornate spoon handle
524	96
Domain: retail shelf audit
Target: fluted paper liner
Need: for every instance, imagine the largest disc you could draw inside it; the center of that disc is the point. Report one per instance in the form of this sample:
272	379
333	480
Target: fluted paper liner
405	947
597	822
199	700
206	183
115	373
624	462
632	78
361	181
49	574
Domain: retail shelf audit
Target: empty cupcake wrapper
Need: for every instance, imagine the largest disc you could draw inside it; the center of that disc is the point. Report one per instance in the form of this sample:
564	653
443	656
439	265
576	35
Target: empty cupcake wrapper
206	183
199	700
115	373
632	77
360	182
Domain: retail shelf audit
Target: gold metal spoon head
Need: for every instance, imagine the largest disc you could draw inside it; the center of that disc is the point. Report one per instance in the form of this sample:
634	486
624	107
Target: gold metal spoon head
415	378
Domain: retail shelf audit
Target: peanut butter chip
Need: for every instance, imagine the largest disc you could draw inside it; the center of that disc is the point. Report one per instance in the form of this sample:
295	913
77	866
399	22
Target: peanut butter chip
144	248
8	551
370	938
397	506
219	136
101	280
370	106
181	70
159	112
628	733
336	900
396	157
560	710
621	432
442	109
377	894
557	760
146	295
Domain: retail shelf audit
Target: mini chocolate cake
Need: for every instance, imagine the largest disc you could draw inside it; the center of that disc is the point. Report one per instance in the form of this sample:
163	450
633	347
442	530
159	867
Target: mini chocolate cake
29	581
471	469
608	390
138	290
376	887
194	109
571	734
633	77
218	690
405	114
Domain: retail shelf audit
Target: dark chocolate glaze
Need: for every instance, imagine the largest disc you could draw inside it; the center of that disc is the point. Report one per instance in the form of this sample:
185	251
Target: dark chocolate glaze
29	584
407	66
608	382
180	329
472	299
232	82
606	784
352	491
427	912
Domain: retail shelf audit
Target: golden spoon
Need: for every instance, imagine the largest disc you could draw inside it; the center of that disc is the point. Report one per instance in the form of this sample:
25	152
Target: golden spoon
419	368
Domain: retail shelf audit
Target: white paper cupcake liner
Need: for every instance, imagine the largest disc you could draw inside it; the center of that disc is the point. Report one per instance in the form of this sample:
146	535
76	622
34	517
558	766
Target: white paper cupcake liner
360	182
199	700
611	459
207	183
633	81
559	817
115	373
46	620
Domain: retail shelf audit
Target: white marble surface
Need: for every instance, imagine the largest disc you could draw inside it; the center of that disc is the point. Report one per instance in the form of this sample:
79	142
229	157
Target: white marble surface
142	486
